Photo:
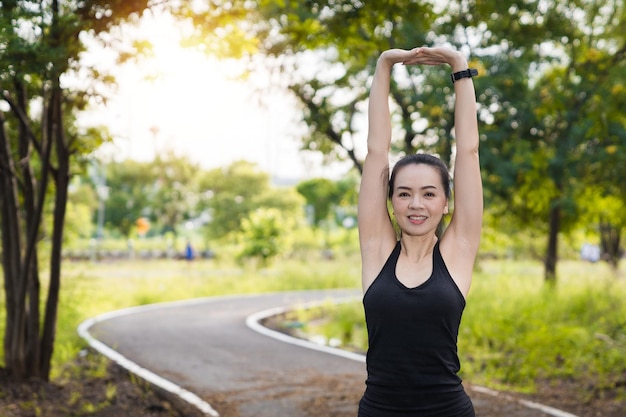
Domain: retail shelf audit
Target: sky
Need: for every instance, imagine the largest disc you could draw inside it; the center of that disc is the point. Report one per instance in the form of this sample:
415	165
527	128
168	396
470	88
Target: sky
184	101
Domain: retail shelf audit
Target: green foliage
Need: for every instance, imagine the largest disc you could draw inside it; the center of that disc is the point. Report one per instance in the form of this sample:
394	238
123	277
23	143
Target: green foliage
326	197
339	325
504	238
79	224
261	235
81	206
130	187
170	191
517	331
556	112
175	192
232	194
320	194
164	191
220	27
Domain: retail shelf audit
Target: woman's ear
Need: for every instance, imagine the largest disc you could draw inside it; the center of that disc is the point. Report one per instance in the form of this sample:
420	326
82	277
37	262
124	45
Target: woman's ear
445	209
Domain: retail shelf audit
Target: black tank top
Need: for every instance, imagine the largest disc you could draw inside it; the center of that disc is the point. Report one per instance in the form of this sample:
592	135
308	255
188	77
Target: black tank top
412	360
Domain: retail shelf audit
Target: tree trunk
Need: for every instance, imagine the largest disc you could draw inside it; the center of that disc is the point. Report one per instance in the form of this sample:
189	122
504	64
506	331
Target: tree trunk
610	237
61	179
11	242
34	194
552	250
24	208
24	194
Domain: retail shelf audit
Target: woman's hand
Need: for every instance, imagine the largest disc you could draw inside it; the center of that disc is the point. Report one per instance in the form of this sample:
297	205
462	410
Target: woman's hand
396	56
426	56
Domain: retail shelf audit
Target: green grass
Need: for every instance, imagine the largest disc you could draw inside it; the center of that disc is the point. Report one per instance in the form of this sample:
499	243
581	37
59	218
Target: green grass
516	330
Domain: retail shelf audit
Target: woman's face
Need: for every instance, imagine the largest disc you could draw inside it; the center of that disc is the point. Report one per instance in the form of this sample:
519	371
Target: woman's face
419	200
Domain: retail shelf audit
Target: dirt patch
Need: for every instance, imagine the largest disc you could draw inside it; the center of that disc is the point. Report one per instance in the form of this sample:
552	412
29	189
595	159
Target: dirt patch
582	397
90	386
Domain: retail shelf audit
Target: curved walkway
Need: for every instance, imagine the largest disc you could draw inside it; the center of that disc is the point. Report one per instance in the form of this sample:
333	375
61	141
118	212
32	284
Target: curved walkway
204	351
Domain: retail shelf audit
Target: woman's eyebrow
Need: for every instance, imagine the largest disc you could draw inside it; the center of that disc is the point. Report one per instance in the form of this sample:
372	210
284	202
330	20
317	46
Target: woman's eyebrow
425	187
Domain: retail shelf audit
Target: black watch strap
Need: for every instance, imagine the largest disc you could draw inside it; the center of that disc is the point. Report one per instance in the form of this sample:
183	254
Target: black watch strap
468	73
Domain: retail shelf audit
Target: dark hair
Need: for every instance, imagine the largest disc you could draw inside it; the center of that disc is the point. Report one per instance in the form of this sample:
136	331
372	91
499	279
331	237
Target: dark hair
422	158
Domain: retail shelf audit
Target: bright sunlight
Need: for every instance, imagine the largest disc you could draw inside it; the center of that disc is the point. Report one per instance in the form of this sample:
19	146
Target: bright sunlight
184	101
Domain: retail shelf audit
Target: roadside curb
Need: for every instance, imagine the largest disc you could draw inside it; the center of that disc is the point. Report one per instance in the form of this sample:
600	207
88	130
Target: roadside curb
150	377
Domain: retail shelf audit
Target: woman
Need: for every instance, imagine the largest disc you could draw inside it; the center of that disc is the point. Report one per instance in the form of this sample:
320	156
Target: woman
415	286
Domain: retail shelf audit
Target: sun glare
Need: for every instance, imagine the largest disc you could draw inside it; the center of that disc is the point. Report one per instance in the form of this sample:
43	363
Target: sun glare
184	101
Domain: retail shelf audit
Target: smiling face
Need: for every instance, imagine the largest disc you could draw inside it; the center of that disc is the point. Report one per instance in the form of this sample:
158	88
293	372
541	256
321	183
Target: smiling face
418	199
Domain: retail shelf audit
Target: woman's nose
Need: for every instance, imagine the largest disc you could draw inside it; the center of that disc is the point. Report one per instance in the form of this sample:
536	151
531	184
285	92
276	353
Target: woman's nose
415	203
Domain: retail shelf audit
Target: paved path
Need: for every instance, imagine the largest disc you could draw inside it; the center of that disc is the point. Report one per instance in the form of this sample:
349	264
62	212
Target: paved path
229	370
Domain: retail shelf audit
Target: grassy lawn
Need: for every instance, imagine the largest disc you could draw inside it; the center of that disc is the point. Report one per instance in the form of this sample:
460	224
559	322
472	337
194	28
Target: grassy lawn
517	330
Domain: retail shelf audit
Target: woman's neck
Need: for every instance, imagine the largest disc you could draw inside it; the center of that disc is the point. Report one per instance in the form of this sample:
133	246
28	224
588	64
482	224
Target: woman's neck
417	247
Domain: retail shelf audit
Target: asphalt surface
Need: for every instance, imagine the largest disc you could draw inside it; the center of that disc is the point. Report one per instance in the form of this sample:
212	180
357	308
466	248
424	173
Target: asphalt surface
205	349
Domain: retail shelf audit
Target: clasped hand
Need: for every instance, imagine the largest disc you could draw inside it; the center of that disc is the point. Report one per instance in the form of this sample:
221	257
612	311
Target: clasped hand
425	56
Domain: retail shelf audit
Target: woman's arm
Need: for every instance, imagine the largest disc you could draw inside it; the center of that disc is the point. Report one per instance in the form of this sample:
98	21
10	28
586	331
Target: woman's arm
462	237
466	223
376	234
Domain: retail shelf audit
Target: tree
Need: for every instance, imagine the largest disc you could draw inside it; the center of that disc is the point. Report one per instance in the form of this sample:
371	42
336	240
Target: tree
568	108
325	197
131	186
229	195
321	196
232	194
549	86
39	45
175	194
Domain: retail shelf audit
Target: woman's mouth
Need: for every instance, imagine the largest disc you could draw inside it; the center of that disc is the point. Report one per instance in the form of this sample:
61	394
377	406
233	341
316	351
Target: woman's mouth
417	219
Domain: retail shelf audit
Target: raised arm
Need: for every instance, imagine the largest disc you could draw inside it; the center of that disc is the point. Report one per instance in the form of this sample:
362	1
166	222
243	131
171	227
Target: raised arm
466	223
376	234
460	242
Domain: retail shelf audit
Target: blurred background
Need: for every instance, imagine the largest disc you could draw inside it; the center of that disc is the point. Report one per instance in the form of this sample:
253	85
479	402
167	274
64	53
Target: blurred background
234	131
